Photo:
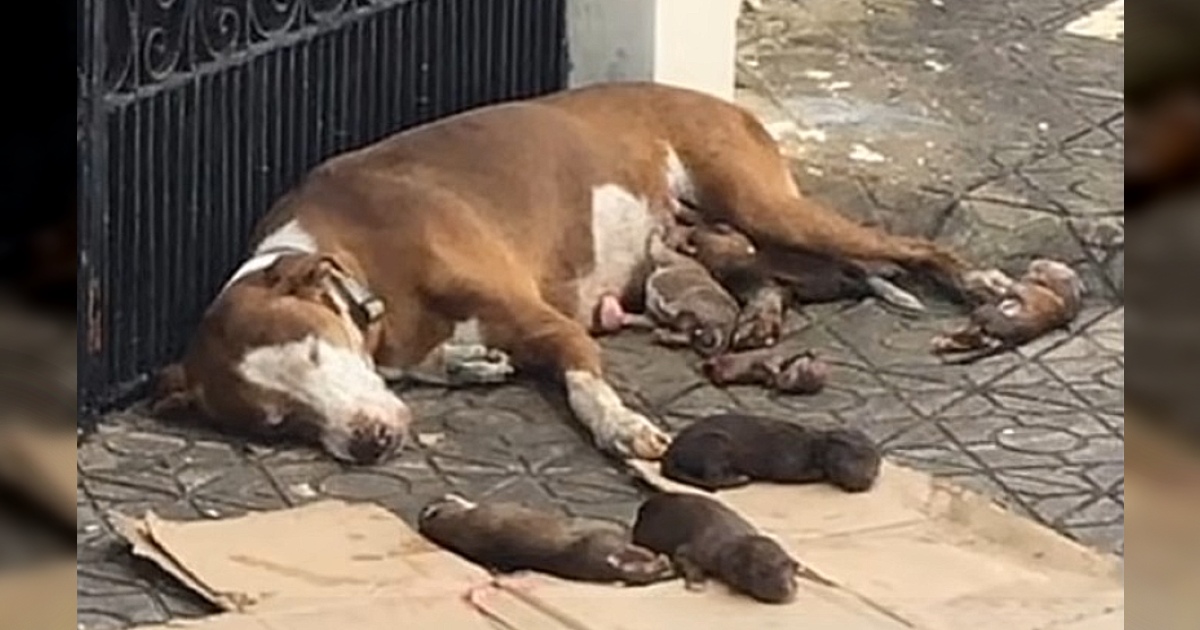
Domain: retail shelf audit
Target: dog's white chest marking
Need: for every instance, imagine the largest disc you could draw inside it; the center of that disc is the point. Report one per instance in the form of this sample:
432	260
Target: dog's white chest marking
621	227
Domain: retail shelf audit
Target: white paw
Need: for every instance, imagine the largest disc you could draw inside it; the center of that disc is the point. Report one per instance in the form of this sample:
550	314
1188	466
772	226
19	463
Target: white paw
615	427
635	436
476	365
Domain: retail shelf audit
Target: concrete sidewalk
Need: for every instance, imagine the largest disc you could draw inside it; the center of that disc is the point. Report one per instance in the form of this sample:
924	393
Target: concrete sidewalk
987	125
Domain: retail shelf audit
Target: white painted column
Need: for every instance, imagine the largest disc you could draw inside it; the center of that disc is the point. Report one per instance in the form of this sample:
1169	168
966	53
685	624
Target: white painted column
689	43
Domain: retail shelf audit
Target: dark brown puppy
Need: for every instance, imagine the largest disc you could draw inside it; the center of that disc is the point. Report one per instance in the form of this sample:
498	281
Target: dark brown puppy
507	537
707	539
1048	297
790	373
731	450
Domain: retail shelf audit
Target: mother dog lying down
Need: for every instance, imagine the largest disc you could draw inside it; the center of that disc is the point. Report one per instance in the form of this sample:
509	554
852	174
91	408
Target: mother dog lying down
501	228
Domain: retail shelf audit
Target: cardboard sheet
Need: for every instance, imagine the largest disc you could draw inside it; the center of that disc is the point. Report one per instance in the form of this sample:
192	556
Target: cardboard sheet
40	597
525	602
913	553
929	553
41	462
349	613
323	551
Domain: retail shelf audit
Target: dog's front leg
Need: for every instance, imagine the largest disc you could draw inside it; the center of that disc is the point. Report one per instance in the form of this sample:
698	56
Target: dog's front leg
535	334
615	427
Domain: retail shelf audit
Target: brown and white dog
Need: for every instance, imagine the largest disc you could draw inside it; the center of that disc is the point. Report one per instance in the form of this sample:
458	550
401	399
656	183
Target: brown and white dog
498	229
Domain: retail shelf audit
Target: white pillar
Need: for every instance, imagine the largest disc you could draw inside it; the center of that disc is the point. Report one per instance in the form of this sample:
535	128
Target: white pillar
690	43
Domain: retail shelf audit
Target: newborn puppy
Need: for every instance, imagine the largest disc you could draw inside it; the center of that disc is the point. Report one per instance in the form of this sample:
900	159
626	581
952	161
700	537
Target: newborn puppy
731	257
508	537
707	539
687	303
731	450
813	279
800	373
763	281
1049	296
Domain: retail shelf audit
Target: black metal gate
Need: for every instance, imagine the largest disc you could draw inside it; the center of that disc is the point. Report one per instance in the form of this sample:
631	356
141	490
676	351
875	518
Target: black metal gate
195	114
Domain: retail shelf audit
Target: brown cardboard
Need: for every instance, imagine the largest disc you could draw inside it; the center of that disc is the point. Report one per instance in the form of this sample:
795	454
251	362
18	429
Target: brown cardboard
40	597
350	613
932	554
912	553
41	463
524	602
325	565
323	551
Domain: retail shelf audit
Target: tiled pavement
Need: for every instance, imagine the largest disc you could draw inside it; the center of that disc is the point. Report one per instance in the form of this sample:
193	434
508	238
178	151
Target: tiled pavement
1042	430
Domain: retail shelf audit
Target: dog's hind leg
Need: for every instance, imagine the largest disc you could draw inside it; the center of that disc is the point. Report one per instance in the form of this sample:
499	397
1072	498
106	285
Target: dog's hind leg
756	193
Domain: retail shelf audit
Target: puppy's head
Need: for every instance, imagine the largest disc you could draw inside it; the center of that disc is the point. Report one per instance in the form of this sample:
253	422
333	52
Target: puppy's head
442	507
708	339
761	568
852	460
1056	276
804	373
721	248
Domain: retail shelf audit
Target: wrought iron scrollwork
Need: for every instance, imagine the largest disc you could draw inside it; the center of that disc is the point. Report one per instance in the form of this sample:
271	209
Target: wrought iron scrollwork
269	17
148	41
163	25
219	28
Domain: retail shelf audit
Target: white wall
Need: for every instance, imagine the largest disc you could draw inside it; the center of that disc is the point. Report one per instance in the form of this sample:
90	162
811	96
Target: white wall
691	43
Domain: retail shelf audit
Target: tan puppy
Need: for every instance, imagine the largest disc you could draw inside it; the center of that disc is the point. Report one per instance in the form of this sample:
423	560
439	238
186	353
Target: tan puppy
1049	296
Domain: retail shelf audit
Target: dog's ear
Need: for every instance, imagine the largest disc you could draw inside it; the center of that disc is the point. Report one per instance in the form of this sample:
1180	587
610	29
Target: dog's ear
296	275
173	393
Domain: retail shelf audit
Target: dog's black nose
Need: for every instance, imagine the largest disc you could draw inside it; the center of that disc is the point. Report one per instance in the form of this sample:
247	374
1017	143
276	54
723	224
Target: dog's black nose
370	444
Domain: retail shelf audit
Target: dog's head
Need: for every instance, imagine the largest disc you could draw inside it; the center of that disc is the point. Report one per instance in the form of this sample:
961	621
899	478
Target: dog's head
287	348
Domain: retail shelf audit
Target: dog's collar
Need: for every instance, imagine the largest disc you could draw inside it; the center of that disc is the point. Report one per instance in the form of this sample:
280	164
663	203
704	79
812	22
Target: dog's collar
366	308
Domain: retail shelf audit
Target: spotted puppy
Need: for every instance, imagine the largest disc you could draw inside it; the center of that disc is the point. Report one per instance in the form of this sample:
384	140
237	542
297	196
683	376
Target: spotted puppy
731	450
508	537
685	304
1048	297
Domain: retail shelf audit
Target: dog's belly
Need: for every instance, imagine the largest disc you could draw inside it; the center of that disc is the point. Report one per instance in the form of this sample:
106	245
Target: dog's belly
622	224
